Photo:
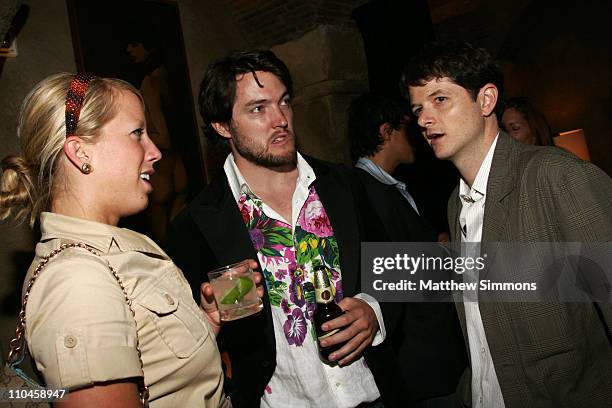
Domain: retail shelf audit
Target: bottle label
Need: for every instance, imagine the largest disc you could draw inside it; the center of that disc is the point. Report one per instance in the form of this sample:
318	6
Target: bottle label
323	295
329	333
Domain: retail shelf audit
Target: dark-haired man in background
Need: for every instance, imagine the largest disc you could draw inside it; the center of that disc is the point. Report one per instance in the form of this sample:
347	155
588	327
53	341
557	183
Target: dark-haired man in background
426	337
522	354
291	213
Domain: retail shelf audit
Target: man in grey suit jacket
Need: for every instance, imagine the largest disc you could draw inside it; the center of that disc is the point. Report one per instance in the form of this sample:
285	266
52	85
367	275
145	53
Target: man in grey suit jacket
522	354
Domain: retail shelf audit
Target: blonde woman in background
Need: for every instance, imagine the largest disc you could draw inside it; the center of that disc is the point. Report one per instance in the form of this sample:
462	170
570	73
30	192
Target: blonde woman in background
525	123
86	162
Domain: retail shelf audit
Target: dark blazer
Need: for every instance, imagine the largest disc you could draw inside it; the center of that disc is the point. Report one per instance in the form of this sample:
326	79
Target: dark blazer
546	354
211	233
426	337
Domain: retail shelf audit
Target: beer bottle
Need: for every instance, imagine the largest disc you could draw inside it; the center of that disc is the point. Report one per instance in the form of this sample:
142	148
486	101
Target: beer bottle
327	309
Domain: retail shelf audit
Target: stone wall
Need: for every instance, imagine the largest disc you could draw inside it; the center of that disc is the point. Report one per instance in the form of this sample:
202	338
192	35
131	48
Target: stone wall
329	69
209	32
265	23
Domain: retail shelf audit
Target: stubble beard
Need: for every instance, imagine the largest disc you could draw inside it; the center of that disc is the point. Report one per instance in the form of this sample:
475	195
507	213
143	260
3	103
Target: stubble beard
263	158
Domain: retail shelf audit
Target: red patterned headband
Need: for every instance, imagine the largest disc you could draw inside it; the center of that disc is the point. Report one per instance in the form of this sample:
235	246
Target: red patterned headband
74	101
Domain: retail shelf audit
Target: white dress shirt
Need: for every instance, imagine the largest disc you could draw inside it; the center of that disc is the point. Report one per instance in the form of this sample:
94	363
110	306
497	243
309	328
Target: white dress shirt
300	379
486	391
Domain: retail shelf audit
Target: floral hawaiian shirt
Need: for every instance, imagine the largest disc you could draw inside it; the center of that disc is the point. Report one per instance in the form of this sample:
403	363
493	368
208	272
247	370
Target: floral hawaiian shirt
288	259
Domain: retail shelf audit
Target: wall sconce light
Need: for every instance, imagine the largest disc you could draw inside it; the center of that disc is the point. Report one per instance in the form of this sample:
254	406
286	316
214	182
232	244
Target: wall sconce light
575	142
13	14
9	50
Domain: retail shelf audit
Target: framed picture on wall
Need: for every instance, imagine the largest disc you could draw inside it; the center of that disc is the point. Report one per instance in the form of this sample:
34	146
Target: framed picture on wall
141	41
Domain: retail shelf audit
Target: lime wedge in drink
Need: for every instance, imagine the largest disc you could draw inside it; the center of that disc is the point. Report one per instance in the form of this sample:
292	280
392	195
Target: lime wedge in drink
239	291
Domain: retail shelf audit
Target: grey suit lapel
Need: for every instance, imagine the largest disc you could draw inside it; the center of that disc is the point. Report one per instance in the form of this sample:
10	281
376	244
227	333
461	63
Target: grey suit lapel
502	180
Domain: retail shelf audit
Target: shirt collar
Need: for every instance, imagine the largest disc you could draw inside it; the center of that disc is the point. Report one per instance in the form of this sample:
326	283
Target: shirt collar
239	185
378	172
479	188
102	237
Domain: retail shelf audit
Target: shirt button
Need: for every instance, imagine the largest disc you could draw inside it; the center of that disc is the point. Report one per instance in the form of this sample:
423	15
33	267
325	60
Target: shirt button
169	299
483	350
70	341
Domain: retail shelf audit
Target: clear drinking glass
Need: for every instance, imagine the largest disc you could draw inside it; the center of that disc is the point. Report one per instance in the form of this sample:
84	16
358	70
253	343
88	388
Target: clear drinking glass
234	290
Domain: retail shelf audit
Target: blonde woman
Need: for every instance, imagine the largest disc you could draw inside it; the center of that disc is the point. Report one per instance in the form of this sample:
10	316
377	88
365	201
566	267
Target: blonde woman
86	162
525	123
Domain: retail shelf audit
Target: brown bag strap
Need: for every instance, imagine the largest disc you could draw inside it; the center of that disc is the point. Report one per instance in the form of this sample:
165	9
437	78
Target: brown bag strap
18	346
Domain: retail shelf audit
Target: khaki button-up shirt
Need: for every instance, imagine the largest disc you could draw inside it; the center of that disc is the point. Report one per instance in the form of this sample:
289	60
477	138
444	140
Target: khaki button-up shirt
80	329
